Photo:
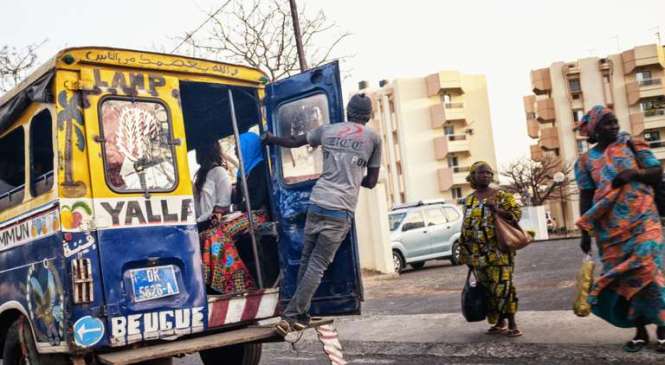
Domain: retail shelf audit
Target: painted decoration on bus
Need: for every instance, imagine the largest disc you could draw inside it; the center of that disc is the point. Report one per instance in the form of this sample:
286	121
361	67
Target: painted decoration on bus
156	325
45	298
137	149
133	212
29	229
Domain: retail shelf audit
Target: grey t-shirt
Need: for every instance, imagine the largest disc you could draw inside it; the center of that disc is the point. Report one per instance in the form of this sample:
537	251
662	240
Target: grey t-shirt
348	149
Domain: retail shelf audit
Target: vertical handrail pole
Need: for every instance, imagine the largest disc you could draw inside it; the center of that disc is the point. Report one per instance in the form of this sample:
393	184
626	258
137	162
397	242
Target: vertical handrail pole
245	192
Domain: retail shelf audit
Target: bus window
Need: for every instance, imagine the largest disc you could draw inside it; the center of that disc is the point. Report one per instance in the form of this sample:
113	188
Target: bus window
12	168
296	118
41	153
138	153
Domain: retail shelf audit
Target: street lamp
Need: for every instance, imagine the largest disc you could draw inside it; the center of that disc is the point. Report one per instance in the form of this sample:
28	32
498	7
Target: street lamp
559	179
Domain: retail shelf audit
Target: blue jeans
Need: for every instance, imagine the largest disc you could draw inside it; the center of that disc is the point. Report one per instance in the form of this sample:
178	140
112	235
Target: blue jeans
325	230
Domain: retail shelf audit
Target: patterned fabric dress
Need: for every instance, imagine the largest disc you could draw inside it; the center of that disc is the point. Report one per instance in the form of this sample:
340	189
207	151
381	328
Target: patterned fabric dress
494	268
631	290
224	270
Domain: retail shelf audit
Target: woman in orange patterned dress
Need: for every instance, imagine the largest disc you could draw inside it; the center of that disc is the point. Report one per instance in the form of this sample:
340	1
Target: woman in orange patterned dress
617	205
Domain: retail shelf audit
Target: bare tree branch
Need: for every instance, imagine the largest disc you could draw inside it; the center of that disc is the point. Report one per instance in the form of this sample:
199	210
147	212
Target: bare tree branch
15	64
534	180
259	34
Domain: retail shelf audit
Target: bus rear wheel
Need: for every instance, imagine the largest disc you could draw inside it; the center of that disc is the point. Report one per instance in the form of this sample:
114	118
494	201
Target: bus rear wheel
20	347
241	354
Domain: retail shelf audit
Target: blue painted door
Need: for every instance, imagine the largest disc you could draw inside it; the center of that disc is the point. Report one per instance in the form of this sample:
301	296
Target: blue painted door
294	106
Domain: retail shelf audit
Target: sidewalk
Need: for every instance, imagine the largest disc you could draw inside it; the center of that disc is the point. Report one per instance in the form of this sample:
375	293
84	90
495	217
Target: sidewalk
549	337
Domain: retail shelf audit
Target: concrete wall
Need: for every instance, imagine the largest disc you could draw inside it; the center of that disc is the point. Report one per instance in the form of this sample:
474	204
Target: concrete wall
372	227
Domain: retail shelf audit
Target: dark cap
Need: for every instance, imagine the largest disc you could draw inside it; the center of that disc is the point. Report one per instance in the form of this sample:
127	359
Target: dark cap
359	108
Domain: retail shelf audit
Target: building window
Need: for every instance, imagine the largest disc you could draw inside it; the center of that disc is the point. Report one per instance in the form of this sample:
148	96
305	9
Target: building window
653	106
448	130
643	75
652	137
606	78
446	99
582	146
456	193
452	161
577	115
574	86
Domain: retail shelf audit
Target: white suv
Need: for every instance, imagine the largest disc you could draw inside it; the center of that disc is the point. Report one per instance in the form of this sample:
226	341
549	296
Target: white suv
425	231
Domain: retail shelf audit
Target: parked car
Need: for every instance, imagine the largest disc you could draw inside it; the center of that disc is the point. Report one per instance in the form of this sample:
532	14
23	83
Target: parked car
425	231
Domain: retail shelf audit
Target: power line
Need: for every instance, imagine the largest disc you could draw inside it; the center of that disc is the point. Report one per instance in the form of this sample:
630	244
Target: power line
190	34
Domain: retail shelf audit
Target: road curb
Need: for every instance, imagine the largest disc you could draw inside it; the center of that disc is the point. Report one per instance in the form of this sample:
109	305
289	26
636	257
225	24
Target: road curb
500	351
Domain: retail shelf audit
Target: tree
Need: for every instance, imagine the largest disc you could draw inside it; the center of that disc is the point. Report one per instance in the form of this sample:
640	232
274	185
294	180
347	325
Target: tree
259	33
534	180
15	64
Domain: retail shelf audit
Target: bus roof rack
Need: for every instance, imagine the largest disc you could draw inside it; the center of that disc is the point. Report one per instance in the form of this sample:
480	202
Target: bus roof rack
419	203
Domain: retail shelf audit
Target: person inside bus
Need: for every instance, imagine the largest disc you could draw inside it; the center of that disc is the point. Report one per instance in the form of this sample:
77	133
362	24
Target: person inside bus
219	228
255	173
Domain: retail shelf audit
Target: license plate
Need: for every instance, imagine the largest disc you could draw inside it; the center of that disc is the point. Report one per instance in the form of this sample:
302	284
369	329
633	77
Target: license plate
153	282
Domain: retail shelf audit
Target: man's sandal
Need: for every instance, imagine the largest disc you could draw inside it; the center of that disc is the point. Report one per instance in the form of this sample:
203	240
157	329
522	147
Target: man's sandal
283	327
494	330
513	333
635	345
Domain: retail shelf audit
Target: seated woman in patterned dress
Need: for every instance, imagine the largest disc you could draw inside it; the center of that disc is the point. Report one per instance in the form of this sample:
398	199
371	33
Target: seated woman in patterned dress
224	270
480	250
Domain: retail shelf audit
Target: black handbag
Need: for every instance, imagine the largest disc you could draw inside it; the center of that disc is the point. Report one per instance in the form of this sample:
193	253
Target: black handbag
658	187
474	300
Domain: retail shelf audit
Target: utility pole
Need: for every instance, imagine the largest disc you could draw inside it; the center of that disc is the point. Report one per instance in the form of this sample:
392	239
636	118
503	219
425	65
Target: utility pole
296	31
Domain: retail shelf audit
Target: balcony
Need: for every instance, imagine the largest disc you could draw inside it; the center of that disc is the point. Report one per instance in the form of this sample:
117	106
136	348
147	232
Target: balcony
541	82
651	55
640	89
658	149
529	103
549	139
450	143
545	110
451	176
444	82
537	153
448	112
649	119
533	127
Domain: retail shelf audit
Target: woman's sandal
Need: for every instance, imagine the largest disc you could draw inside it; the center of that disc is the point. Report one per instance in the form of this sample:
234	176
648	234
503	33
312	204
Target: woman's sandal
635	345
494	330
660	346
513	333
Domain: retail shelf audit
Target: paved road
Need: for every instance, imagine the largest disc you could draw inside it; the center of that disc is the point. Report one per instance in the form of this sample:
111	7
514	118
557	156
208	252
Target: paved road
544	279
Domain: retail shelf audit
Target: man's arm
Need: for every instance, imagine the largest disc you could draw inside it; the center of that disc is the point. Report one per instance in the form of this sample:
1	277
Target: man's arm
288	142
372	177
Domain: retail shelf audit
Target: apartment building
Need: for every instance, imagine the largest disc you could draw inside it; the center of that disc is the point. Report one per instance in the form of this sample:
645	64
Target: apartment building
433	128
631	83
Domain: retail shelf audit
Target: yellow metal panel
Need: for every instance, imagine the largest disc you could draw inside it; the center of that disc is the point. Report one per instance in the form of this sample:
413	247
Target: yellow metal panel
73	58
146	86
73	172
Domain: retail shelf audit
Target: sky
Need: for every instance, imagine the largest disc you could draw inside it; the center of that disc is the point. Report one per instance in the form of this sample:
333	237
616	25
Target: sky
502	39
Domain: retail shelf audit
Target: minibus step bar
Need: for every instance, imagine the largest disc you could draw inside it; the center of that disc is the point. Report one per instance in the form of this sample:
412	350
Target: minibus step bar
192	345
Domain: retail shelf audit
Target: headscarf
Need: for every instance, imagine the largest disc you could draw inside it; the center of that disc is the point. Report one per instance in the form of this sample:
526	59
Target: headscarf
471	177
252	152
590	120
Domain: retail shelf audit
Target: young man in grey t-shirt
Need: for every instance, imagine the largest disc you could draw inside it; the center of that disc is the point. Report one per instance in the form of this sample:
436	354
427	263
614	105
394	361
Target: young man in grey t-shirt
349	149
